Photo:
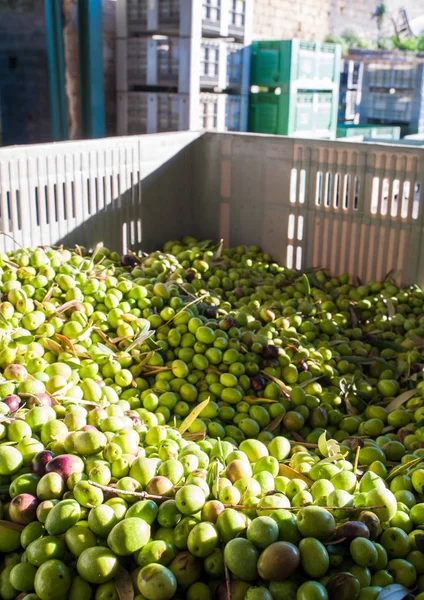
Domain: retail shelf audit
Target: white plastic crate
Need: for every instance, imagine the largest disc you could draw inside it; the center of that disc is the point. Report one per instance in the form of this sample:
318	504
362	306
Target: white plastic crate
348	207
154	112
223	112
186	18
349	106
351	74
174	62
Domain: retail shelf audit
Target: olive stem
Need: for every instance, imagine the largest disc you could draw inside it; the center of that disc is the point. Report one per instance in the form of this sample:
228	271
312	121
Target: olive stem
180	285
114	490
14	241
294	508
305	444
146	496
227	581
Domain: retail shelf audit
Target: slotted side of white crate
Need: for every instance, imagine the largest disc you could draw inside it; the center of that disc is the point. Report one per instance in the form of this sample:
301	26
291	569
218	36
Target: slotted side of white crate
98	191
348	207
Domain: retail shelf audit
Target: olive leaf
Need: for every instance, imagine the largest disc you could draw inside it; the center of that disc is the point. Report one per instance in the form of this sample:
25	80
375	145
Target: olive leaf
219	250
395	591
275	423
359	360
290	473
390	308
64	307
308	381
124	585
189	420
152	344
255	400
144	334
401	399
286	390
52	346
306	283
104	350
403	468
388	429
195	301
66	342
195	436
322	444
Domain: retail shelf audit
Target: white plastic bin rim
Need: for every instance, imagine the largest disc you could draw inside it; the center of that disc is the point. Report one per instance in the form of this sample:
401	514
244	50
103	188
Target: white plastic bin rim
342	205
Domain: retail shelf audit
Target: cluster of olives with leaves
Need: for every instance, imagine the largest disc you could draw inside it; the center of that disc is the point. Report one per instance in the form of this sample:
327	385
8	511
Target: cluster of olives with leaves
202	423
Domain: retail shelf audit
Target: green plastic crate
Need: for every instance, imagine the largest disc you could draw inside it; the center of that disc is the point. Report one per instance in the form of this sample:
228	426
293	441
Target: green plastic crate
378	132
295	63
302	113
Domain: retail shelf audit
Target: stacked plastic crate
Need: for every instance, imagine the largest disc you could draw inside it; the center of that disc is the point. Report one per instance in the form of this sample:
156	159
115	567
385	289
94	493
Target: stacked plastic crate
295	88
351	77
183	64
393	89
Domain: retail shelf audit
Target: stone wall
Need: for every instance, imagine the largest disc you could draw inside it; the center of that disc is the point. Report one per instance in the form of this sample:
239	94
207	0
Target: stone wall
315	19
284	19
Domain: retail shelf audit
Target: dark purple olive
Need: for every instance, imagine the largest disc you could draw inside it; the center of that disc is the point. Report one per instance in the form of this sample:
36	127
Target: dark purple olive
127	260
190	275
352	530
210	312
40	461
269	362
343	586
239	293
258	383
13	402
65	465
270	351
22	509
303	366
237	590
416	368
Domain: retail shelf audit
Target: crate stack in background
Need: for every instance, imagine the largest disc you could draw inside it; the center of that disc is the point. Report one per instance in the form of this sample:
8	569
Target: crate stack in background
295	88
183	64
351	78
393	89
